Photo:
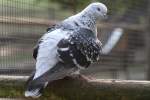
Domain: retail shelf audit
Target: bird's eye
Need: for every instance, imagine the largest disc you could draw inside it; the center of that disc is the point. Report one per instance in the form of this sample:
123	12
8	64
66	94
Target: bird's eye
98	9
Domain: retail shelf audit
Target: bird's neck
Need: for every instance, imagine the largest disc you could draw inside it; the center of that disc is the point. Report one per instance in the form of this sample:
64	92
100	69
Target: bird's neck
84	19
87	20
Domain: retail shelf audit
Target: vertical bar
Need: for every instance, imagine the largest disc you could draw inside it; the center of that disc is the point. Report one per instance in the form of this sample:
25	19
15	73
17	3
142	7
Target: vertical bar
148	41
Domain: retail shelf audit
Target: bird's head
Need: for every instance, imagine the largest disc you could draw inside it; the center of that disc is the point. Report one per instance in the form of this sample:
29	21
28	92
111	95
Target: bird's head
98	10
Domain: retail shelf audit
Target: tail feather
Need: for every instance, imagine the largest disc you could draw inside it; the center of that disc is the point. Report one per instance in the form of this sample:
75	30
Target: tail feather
34	93
36	86
34	90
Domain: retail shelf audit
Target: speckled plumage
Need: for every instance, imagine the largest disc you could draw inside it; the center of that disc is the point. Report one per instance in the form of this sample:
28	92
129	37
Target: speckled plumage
82	47
66	48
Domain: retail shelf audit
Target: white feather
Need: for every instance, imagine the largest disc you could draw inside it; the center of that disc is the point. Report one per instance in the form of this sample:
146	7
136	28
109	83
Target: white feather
64	49
47	53
33	94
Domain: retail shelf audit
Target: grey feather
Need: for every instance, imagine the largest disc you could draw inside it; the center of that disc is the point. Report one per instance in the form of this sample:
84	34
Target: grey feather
59	71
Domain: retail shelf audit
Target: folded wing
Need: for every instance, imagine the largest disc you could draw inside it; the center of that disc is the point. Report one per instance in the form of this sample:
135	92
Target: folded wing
80	48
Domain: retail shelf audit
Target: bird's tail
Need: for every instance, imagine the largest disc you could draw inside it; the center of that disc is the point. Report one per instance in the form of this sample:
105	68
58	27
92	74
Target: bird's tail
34	90
36	86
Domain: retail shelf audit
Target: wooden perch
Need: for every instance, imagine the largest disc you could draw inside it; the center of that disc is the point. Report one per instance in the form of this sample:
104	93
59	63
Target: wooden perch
83	88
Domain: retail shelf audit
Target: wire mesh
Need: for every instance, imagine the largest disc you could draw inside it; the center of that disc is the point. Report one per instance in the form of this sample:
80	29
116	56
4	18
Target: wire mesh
23	22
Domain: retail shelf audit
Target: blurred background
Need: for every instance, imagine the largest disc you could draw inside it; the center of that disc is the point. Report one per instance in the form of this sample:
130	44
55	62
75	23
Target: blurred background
125	35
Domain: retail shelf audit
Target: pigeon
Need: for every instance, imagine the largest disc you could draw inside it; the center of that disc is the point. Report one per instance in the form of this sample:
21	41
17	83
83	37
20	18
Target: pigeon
66	48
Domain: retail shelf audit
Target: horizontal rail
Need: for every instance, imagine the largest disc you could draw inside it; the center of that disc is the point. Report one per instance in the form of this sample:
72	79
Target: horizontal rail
39	21
79	88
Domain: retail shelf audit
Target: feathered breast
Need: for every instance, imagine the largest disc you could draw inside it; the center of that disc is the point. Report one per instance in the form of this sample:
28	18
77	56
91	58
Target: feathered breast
80	48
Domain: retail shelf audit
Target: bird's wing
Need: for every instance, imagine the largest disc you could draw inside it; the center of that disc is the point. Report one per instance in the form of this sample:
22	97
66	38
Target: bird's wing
48	67
49	30
47	51
80	48
54	27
